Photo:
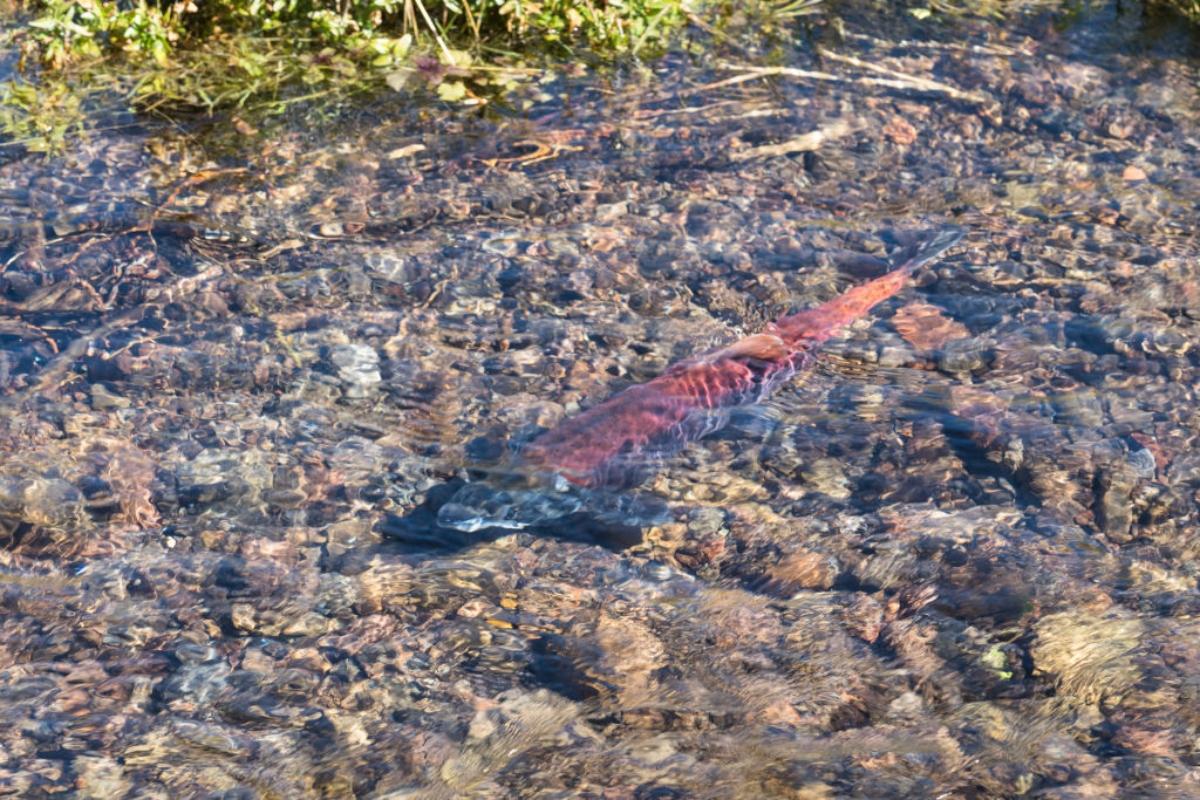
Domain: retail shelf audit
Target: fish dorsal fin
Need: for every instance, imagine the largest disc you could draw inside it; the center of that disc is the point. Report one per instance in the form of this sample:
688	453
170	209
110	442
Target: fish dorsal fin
761	346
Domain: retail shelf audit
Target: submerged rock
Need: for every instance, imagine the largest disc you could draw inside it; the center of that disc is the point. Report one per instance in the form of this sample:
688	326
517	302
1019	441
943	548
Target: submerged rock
1114	501
357	368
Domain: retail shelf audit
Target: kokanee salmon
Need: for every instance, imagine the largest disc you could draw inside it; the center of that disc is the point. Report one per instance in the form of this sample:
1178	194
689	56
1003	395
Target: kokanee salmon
611	443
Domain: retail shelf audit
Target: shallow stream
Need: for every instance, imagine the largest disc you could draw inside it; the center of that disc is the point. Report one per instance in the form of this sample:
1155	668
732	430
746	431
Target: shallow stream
241	373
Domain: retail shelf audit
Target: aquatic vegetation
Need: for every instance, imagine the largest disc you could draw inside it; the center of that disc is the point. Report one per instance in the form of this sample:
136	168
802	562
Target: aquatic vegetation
263	58
40	117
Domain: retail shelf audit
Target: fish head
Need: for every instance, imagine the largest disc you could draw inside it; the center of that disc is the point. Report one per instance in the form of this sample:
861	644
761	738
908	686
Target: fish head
481	505
609	518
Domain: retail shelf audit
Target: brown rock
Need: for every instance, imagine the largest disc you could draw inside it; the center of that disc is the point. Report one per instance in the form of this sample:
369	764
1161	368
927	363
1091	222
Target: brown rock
799	570
900	131
1133	173
926	328
864	618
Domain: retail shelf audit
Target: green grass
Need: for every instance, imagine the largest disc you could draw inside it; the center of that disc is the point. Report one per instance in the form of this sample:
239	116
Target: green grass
1186	8
64	30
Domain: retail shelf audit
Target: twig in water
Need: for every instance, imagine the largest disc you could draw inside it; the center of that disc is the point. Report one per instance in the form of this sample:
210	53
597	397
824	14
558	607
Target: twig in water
912	44
646	114
898	81
917	82
736	79
801	144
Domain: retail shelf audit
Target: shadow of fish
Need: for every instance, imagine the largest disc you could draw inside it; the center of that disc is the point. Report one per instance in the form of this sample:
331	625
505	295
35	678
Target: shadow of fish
579	466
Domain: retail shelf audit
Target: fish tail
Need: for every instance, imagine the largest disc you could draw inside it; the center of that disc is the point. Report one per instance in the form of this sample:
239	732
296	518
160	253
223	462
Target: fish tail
819	324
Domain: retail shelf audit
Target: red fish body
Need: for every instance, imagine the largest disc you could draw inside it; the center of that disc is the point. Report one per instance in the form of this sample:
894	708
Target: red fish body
604	445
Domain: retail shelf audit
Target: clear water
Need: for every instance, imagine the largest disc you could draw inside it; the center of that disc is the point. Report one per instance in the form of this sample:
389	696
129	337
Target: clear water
242	378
